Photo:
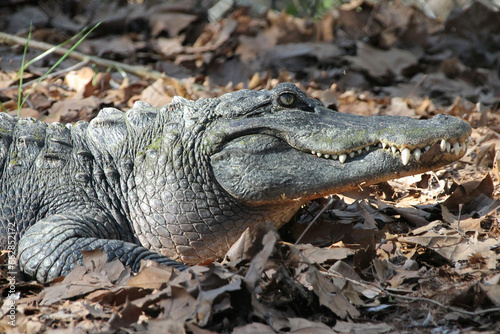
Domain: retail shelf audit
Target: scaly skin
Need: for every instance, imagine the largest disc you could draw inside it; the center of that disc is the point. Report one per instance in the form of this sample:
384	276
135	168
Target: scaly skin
184	181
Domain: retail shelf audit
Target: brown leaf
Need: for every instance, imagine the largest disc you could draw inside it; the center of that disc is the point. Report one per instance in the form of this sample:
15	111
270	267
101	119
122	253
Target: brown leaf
96	273
169	47
344	270
85	81
329	295
465	224
399	107
452	247
171	23
207	299
381	64
304	326
151	298
197	330
61	291
248	245
128	315
155	94
26	112
6	80
276	318
363	257
496	165
118	295
473	196
384	270
166	326
325	255
152	275
113	45
258	262
415	216
253	328
72	110
369	223
362	328
403	276
94	259
180	306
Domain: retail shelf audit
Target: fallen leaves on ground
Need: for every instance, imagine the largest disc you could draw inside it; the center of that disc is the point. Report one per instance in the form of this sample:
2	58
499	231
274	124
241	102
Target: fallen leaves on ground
418	254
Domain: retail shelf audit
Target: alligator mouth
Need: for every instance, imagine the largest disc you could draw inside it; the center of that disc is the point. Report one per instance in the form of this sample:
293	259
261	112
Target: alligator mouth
457	147
297	156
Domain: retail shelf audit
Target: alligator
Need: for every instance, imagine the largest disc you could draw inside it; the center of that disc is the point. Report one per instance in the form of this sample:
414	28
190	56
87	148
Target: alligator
179	184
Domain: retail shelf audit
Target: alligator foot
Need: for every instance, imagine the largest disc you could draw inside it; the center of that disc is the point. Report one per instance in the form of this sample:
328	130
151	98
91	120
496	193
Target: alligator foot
53	246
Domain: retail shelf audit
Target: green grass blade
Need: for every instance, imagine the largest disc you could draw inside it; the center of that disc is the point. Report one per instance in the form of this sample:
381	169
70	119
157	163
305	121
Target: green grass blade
57	63
51	50
20	74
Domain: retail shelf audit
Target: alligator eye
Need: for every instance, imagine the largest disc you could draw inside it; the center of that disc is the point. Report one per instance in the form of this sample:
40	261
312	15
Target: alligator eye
286	99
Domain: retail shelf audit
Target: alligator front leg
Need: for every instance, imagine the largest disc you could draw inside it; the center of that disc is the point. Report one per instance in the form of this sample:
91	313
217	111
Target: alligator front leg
53	246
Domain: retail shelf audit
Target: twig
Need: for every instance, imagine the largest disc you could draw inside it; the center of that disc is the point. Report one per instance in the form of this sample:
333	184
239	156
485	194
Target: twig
458	218
452	308
66	70
314	220
381	290
139	71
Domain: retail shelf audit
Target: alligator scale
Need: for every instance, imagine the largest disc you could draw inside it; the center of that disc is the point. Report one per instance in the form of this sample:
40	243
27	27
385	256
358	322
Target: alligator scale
183	182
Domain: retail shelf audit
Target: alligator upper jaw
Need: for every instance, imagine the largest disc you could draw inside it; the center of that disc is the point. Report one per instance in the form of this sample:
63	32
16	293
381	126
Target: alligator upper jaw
449	150
298	157
264	170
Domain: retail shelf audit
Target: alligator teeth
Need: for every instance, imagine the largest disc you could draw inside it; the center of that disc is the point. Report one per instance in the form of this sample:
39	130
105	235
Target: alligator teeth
442	145
405	155
418	153
445	146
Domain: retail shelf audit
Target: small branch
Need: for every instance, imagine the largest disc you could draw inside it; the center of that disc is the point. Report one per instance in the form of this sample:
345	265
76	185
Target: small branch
314	220
139	71
385	291
452	308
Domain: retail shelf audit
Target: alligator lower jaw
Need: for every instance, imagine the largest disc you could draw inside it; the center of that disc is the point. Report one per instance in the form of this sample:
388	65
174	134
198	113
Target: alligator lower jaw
457	147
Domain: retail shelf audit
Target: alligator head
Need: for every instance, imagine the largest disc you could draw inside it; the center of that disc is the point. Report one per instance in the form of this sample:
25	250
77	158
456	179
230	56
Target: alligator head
279	146
216	166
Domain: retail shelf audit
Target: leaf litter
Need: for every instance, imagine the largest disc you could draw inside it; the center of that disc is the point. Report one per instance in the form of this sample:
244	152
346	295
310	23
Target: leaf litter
418	254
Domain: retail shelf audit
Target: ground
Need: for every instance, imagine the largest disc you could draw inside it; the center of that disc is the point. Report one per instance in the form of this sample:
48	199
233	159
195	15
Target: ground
414	255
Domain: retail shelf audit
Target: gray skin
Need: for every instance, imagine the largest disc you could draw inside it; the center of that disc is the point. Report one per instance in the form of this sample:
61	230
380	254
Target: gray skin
184	181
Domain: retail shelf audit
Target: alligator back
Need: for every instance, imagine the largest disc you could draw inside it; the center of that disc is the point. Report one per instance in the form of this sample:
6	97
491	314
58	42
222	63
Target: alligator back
35	162
47	169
